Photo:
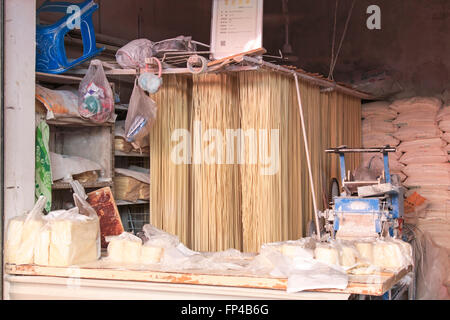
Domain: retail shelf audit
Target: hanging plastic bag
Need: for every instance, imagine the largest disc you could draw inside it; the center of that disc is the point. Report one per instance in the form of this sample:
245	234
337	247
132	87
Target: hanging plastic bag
140	117
95	97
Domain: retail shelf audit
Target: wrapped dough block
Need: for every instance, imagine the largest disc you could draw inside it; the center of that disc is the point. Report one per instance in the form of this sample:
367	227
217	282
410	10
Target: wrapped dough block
365	250
42	248
151	254
21	239
348	256
327	255
14	238
125	248
296	251
390	255
387	255
74	240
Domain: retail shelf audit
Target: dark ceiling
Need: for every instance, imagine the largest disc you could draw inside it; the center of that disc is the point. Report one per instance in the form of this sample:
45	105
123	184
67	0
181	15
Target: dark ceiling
413	45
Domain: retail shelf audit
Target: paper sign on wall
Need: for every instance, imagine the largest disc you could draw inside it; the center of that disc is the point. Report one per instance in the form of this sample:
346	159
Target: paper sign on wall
236	27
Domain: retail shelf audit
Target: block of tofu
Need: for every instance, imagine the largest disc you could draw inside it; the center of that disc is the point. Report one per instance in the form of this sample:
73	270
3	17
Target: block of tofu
125	248
21	239
327	254
74	240
151	254
365	250
42	247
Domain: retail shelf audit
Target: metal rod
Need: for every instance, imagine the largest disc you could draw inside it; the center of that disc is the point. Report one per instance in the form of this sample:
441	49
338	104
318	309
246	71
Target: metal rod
311	180
311	79
360	150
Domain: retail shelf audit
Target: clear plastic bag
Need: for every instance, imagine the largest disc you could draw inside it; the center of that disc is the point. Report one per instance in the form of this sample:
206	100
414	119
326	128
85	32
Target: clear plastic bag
74	235
133	54
95	97
23	234
180	43
140	117
124	249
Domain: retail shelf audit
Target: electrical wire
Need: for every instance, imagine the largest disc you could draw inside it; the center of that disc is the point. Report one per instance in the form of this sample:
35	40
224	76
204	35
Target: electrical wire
342	39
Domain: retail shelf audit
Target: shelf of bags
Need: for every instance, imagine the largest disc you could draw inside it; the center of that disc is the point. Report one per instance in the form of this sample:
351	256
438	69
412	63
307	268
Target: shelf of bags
57	78
118	153
127	203
86	185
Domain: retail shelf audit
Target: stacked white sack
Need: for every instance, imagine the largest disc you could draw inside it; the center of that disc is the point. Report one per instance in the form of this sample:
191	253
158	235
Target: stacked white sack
424	152
443	118
379	130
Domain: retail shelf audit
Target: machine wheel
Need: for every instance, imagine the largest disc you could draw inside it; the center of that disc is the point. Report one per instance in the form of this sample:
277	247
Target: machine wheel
333	191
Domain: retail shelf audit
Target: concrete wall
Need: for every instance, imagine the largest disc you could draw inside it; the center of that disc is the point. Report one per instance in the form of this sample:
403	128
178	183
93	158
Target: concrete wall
19	106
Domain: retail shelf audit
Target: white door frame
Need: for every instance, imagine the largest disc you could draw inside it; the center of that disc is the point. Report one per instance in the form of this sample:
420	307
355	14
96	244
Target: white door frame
19	120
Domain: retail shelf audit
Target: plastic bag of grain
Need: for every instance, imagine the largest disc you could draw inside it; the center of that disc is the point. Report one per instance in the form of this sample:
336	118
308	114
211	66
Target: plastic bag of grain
378	140
417	132
371	126
444	125
379	110
421	145
429	104
426	156
443	114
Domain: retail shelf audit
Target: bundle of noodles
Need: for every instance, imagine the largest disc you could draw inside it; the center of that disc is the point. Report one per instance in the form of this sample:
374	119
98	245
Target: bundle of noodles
170	205
263	102
241	196
215	173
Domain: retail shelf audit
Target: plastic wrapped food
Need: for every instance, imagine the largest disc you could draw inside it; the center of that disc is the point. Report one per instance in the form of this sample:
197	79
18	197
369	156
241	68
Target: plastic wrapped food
74	235
124	248
23	234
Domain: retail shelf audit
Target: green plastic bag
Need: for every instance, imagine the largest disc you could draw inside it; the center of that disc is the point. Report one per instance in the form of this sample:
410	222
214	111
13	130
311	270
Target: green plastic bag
43	174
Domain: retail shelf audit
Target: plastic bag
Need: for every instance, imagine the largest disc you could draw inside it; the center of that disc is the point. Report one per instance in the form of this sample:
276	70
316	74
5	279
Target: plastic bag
377	110
430	104
444	114
124	248
428	156
140	117
180	43
43	169
74	235
133	54
373	126
23	233
59	103
418	146
95	97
